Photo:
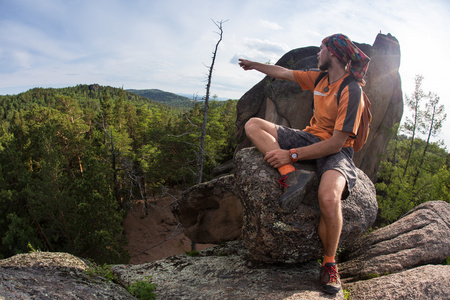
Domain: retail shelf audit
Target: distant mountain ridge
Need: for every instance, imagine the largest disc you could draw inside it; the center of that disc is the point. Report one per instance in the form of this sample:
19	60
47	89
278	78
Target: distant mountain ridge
201	98
163	97
183	101
148	97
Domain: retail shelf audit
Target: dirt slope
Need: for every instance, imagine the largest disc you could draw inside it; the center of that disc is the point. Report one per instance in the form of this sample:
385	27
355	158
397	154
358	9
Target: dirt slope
156	235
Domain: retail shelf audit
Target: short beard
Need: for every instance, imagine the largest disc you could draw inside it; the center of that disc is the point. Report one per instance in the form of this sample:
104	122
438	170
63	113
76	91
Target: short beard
324	67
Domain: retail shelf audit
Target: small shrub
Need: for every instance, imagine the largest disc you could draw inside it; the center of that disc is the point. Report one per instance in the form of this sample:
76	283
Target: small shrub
143	289
31	248
375	275
372	275
370	230
347	294
192	253
101	271
447	261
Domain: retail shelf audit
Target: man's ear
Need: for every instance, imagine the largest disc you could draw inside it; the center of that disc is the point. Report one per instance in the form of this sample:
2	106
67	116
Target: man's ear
336	58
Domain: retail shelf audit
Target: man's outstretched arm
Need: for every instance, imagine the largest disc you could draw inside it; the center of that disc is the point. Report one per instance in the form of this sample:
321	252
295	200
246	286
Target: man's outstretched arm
271	70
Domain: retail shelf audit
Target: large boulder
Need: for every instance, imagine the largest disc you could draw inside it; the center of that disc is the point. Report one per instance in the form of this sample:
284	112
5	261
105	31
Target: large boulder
425	282
210	212
285	103
273	235
44	275
420	237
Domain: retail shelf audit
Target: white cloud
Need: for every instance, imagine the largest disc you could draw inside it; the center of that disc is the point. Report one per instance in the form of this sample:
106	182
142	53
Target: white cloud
265	46
270	25
167	44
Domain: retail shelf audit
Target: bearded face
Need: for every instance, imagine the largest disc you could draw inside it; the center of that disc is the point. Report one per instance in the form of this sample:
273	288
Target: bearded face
324	65
324	58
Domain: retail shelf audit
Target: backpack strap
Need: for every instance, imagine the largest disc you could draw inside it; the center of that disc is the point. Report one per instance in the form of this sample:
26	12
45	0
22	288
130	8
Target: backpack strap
347	80
321	76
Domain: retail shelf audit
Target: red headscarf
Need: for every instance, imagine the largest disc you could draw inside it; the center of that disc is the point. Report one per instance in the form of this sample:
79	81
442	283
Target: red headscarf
341	46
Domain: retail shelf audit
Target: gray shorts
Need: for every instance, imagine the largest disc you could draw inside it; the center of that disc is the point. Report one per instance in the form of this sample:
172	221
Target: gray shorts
342	161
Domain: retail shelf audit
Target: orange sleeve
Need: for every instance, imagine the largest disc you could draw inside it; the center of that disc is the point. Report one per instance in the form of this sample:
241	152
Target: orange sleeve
306	79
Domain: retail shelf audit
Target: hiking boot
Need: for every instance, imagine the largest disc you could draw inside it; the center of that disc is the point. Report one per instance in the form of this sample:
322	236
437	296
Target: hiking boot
329	279
295	185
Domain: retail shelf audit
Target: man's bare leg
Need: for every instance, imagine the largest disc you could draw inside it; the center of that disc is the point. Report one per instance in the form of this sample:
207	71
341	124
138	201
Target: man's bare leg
263	134
331	186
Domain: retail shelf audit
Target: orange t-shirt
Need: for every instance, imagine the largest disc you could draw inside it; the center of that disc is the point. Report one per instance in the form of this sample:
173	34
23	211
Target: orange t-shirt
327	115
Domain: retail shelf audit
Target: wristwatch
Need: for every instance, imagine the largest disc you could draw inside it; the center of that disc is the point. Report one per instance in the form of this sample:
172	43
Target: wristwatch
293	155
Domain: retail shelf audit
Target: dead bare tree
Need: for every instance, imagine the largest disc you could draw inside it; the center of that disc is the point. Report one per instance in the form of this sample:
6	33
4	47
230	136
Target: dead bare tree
201	154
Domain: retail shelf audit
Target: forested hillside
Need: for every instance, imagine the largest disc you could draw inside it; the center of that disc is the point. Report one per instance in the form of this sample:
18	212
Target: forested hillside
73	159
165	98
415	169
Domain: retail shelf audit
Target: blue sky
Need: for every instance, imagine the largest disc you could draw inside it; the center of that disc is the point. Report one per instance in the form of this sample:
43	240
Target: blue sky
168	44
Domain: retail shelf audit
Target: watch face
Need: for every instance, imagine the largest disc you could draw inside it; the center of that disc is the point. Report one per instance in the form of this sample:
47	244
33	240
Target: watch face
294	155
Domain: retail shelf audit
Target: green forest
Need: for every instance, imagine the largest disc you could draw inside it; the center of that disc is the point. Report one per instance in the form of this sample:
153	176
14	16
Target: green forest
73	160
415	169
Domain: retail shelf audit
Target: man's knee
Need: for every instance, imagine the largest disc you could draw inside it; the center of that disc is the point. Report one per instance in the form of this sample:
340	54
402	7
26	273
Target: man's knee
329	201
332	184
252	125
255	125
330	197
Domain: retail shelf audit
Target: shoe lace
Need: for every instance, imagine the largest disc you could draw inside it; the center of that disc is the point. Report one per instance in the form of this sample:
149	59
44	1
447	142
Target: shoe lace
332	272
282	181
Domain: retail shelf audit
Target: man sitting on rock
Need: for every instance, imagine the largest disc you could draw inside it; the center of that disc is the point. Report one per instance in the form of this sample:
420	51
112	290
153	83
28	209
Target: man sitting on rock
328	139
